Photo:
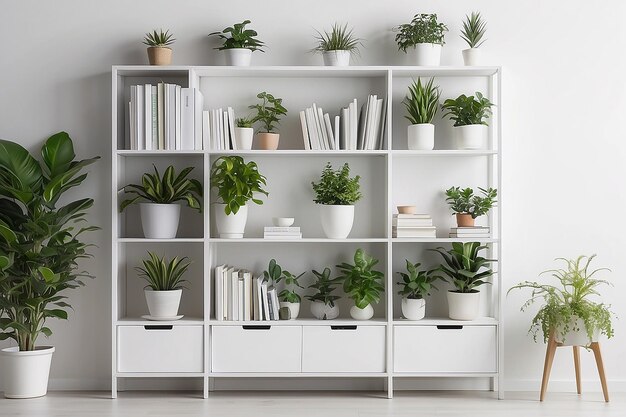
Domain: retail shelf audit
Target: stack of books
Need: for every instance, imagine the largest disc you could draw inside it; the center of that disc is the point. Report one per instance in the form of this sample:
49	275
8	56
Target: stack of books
275	232
218	129
413	225
466	232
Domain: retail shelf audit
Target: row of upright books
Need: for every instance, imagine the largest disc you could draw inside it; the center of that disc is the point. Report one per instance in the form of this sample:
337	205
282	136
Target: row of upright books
218	129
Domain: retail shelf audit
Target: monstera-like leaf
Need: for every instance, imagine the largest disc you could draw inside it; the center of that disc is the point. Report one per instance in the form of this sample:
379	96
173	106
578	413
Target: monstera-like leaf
20	173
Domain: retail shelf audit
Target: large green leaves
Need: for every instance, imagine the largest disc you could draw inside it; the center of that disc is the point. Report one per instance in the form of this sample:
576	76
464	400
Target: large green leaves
336	187
361	282
237	36
236	182
422	102
464	268
268	111
466	110
416	283
161	274
20	173
58	153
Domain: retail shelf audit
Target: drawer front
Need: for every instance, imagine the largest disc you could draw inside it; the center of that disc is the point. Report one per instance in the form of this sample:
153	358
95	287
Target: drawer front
343	349
157	348
256	348
445	349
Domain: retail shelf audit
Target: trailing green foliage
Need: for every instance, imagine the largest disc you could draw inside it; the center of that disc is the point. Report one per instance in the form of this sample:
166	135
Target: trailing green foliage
569	300
243	122
159	39
422	102
464	200
237	36
324	287
276	274
361	282
473	31
340	38
161	274
464	268
468	110
336	187
40	243
424	28
268	112
165	190
236	182
417	283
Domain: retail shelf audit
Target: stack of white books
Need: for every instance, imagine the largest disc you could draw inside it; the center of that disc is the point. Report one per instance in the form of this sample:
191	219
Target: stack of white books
413	225
218	129
466	232
275	232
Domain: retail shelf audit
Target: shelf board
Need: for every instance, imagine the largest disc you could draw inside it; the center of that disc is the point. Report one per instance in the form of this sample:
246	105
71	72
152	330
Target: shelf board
445	374
138	321
444	152
445	321
443	240
441	71
298	374
302	322
303	240
175	240
298	152
159	374
126	152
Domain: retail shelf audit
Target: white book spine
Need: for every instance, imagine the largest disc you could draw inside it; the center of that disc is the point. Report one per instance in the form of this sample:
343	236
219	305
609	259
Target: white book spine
336	133
318	127
199	143
241	299
329	132
230	141
147	116
322	124
354	123
139	117
305	131
231	126
178	116
345	131
187	126
234	283
219	312
312	129
206	130
155	119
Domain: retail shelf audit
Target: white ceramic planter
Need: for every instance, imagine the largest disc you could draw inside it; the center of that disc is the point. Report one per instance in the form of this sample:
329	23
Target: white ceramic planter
421	137
323	311
463	306
336	58
471	57
238	57
294	309
413	309
163	303
471	136
577	334
428	54
25	374
362	313
337	220
233	225
159	221
243	138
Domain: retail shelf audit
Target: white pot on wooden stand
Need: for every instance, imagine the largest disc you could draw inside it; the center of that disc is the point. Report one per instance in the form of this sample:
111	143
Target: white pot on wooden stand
294	309
25	374
337	220
338	58
413	308
421	137
243	138
231	226
428	54
471	57
362	313
238	57
323	311
577	334
471	136
159	221
463	306
163	303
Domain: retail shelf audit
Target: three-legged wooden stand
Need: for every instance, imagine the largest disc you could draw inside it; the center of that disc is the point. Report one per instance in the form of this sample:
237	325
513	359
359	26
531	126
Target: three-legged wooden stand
547	366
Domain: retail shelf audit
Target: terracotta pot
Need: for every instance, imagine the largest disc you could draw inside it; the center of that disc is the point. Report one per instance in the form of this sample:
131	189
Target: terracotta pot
464	220
407	209
268	141
159	55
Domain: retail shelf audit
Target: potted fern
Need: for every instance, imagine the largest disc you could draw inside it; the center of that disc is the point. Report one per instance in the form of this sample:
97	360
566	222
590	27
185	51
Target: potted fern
288	297
421	105
164	288
269	112
416	284
467	206
239	43
244	133
160	213
473	31
425	35
470	116
323	306
337	45
159	51
362	283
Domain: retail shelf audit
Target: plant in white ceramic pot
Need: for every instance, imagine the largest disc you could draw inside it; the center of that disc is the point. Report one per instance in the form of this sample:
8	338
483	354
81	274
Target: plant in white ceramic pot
158	199
269	112
467	206
336	193
288	297
470	116
338	45
244	133
416	284
159	51
473	31
362	284
236	183
323	306
40	249
421	105
426	35
239	43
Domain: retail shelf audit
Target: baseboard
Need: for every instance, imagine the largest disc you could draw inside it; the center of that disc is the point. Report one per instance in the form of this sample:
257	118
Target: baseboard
564	385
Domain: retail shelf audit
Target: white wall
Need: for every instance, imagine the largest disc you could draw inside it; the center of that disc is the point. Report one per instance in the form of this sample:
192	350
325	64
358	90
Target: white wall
564	100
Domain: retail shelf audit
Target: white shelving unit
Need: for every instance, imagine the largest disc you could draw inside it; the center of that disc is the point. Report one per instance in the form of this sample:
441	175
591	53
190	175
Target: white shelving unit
386	347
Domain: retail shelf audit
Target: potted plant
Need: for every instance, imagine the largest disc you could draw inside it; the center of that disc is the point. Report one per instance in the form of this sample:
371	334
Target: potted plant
415	285
362	283
421	105
159	51
466	270
568	314
473	31
469	115
236	182
164	287
336	193
323	306
159	210
239	43
268	113
288	297
426	35
467	206
244	133
40	246
337	46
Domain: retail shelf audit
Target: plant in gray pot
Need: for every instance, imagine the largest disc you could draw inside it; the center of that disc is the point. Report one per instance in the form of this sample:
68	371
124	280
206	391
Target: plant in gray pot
323	306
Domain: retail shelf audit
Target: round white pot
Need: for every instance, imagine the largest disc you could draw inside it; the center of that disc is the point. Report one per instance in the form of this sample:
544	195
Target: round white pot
421	137
25	374
336	58
294	309
463	306
413	309
243	138
163	303
238	57
362	313
428	54
471	136
323	311
159	221
471	57
233	225
337	220
577	334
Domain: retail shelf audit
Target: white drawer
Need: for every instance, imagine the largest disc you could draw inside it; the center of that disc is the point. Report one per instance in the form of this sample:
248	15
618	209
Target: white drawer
160	348
343	349
256	348
444	349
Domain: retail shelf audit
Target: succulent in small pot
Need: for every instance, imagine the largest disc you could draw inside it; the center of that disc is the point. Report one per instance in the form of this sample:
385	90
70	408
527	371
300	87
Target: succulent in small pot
288	297
473	31
470	116
467	206
239	43
416	284
338	45
268	114
362	283
323	306
421	105
159	51
425	35
244	133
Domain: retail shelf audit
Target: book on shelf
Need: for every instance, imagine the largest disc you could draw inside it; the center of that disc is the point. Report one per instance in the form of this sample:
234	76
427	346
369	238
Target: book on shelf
412	216
414	232
218	129
474	230
411	222
282	229
277	232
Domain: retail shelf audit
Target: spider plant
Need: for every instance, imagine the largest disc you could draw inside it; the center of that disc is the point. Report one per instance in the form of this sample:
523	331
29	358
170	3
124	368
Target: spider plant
340	38
473	31
422	102
161	274
159	39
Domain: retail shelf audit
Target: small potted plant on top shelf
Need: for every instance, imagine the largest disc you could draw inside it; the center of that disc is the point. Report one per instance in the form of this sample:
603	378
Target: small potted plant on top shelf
337	46
421	104
323	306
467	206
244	133
268	113
426	35
288	297
362	283
160	213
159	51
470	116
473	31
415	285
239	43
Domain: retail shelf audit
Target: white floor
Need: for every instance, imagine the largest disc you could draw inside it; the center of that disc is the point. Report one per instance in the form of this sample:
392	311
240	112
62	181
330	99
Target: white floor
335	404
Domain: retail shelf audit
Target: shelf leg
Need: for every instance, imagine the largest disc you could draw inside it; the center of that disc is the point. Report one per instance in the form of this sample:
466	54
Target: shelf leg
595	346
390	387
547	366
205	386
576	350
114	387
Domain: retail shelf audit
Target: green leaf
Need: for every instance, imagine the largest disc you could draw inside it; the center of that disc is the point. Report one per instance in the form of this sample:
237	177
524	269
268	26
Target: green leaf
58	153
21	172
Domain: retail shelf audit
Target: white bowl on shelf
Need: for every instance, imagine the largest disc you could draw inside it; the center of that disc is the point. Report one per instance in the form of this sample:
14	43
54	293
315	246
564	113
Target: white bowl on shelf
283	221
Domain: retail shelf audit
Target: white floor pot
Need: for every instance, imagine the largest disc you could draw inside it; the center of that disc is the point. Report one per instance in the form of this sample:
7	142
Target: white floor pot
577	334
159	221
294	309
413	308
238	57
421	137
243	138
428	54
463	306
337	220
25	374
231	226
336	58
362	313
471	136
471	57
323	311
163	303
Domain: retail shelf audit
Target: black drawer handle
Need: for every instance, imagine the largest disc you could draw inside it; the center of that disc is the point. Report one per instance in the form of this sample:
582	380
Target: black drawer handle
353	327
256	327
450	327
158	327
